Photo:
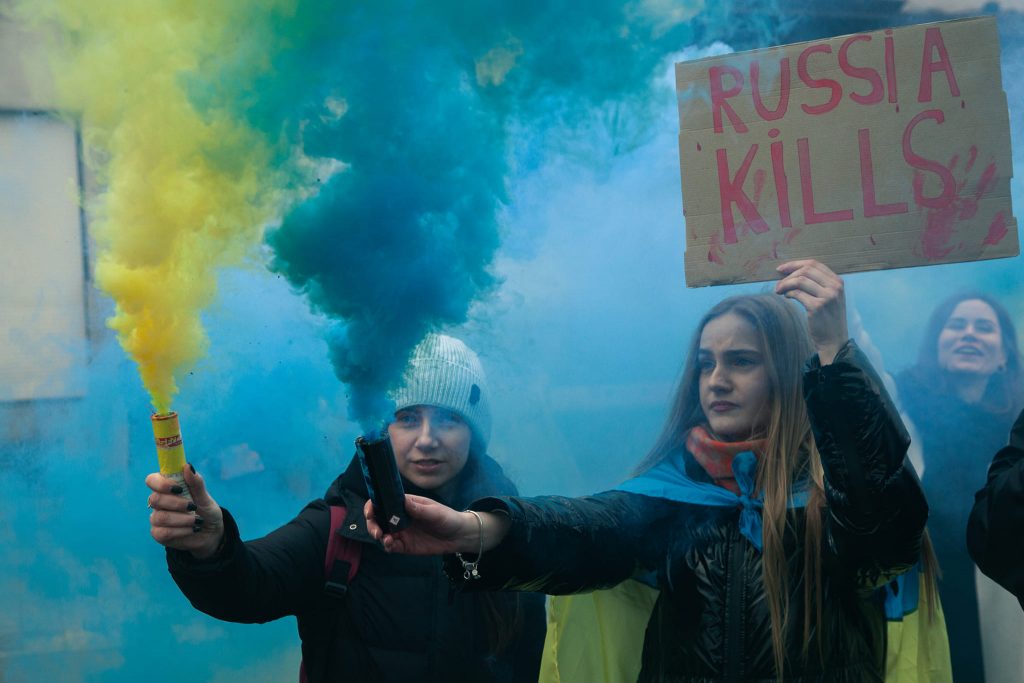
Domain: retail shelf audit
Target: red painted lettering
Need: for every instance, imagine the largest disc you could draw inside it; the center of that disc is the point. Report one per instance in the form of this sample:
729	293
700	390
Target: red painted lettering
933	42
837	90
867	182
764	112
890	69
781	184
811	216
730	191
720	95
948	192
863	73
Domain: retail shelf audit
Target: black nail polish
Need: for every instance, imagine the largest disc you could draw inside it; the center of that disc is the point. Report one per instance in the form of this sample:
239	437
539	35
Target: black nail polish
198	521
177	490
192	467
191	507
196	529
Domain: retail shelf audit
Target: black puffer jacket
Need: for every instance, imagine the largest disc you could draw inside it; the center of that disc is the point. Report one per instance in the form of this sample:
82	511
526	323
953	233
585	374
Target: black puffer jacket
399	620
996	526
711	622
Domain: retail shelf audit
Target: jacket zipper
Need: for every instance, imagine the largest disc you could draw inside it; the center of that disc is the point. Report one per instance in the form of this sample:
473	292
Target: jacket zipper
734	611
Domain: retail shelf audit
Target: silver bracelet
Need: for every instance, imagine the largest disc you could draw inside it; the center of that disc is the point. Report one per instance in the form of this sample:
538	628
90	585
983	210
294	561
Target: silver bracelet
469	568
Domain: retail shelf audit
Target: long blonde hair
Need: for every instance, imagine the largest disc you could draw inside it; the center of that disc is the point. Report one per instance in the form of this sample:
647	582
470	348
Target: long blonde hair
789	453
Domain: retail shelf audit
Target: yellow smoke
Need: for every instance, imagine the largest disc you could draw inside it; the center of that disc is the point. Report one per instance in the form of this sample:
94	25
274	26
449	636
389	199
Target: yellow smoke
183	192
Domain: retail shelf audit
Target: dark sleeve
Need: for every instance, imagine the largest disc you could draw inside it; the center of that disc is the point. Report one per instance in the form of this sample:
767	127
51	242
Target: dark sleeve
559	545
995	531
876	510
257	581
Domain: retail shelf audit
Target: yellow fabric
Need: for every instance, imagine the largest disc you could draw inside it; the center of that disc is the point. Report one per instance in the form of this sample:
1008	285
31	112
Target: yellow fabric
918	649
598	638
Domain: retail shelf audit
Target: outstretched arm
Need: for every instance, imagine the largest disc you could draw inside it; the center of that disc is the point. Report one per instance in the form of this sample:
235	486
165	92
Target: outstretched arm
436	529
254	582
547	544
279	574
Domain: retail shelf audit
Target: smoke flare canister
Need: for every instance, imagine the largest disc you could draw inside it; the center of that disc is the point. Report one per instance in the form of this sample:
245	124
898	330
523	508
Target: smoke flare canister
169	450
383	481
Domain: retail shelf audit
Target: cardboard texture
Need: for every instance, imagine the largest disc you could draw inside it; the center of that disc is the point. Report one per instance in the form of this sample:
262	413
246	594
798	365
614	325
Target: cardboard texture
877	150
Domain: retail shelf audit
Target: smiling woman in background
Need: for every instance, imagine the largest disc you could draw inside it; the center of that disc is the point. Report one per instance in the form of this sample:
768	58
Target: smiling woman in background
962	396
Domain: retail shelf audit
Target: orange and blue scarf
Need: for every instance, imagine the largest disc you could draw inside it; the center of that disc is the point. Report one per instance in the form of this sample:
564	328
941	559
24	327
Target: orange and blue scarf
732	466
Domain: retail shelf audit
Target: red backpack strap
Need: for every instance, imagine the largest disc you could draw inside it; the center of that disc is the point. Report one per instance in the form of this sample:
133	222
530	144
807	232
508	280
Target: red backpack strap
342	559
341	562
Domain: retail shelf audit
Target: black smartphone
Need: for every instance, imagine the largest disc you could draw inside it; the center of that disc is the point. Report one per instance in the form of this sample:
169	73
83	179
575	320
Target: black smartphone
383	481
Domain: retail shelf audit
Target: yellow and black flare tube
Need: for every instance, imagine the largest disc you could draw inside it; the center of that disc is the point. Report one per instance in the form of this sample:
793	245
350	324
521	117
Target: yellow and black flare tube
169	449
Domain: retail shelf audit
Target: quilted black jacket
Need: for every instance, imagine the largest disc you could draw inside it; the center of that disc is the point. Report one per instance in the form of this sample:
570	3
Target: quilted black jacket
996	526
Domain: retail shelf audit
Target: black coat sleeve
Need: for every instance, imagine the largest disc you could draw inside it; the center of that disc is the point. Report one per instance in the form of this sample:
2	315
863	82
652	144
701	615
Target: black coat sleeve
876	510
257	581
559	545
995	531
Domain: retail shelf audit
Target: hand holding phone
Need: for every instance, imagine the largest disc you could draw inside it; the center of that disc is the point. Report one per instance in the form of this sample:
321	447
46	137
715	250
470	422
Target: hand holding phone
383	480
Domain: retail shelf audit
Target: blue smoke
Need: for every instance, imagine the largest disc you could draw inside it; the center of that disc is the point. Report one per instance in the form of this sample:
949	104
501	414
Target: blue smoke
579	312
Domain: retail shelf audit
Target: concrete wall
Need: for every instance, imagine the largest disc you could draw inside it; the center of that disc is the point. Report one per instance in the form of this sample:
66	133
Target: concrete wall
47	309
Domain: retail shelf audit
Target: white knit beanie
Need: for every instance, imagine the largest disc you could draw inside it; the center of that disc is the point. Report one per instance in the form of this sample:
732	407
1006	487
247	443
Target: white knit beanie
445	373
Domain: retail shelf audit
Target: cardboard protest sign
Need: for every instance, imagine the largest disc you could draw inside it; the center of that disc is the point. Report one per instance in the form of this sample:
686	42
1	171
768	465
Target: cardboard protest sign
869	151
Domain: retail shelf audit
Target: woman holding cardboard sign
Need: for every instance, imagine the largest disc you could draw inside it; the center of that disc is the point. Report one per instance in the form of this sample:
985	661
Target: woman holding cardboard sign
773	505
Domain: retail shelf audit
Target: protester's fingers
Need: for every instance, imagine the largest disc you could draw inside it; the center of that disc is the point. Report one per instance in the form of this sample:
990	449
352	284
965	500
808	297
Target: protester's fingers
803	282
397	543
809	302
388	541
823	275
179	537
810	268
170	501
423	509
791	266
813	270
197	487
824	270
166	518
161	484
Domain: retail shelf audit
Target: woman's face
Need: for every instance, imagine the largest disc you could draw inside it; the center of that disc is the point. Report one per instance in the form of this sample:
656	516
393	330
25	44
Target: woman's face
971	342
431	445
734	386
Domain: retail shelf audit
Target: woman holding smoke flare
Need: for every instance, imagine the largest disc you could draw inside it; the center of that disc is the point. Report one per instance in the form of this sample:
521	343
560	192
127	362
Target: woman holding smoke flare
961	397
773	505
394	619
